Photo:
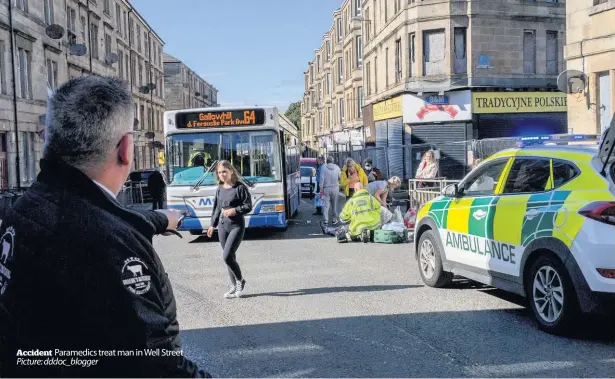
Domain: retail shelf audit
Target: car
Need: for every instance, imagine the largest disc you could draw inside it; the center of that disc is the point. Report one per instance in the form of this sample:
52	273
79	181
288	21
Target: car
308	180
141	177
534	220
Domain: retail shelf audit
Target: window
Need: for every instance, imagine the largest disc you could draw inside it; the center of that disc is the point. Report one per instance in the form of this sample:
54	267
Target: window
146	44
2	67
434	45
398	61
21	5
139	38
357	7
529	52
125	21
328	47
107	44
318	63
360	102
94	40
386	68
142	116
340	70
133	71
48	12
411	53
27	164
319	92
359	51
552	47
52	74
71	25
107	7
460	65
83	23
368	27
484	180
120	64
368	74
140	74
339	29
328	83
24	58
341	110
118	18
376	74
563	172
528	175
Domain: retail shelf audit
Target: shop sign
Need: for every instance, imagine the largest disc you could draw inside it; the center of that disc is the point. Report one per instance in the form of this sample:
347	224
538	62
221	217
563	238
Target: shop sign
452	106
387	109
519	102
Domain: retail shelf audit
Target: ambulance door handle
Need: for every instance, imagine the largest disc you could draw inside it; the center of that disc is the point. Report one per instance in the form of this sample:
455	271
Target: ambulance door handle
531	214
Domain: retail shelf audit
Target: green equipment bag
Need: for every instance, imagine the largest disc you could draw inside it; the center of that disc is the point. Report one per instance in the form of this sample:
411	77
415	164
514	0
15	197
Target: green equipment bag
389	236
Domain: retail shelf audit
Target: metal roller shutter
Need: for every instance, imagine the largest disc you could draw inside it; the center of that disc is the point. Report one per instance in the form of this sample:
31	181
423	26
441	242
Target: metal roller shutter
521	124
380	160
448	138
395	151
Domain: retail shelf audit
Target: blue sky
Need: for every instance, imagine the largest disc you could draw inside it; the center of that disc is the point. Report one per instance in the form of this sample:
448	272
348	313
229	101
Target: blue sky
252	51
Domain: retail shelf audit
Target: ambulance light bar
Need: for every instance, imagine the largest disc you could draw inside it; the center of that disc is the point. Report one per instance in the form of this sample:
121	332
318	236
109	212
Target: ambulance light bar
555	139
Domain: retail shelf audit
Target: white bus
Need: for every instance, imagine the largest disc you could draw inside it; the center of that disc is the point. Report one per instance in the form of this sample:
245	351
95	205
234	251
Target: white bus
259	142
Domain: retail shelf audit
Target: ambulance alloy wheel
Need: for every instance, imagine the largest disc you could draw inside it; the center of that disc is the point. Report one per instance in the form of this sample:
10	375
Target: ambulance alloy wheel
551	295
430	262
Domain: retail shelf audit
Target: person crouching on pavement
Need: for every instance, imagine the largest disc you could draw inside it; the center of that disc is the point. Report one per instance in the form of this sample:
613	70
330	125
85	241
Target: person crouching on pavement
330	190
232	202
381	188
82	269
361	214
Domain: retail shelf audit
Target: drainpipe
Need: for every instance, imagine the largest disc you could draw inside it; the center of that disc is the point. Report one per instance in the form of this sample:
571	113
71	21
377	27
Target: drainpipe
151	96
130	74
17	161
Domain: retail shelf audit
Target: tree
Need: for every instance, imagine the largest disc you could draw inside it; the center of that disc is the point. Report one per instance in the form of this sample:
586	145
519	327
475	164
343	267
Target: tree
294	114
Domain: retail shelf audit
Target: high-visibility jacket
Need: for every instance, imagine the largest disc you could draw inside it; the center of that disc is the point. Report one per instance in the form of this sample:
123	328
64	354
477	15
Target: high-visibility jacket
206	156
362	211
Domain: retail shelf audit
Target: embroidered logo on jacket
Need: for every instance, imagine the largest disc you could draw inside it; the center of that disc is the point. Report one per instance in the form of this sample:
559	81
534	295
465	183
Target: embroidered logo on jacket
135	276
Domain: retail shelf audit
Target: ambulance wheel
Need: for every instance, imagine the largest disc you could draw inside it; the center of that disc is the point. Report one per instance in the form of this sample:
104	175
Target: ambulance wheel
430	262
551	295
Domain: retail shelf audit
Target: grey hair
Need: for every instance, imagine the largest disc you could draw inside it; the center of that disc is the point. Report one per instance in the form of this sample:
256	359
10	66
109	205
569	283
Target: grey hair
330	159
86	119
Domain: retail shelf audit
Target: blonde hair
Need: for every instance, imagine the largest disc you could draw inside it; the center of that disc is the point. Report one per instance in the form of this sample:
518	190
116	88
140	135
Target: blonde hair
430	152
227	165
395	180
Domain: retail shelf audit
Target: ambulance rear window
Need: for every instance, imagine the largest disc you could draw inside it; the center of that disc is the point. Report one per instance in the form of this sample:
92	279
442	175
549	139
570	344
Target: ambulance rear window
562	172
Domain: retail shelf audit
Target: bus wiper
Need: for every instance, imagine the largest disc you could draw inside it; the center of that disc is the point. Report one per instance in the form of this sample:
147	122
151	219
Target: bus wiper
248	182
202	178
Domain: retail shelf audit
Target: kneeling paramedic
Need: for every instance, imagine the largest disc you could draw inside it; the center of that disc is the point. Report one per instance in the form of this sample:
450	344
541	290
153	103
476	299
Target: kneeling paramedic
361	216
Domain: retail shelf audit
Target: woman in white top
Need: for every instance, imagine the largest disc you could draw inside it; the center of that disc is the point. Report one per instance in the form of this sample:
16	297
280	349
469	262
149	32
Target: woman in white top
380	188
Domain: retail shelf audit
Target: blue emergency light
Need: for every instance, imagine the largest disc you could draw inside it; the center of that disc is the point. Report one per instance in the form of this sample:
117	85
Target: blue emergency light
556	138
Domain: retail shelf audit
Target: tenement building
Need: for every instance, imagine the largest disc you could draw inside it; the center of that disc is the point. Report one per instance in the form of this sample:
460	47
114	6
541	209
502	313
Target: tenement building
590	49
184	88
56	40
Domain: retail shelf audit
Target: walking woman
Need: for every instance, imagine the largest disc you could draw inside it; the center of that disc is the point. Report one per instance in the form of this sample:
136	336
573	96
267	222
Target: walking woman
232	203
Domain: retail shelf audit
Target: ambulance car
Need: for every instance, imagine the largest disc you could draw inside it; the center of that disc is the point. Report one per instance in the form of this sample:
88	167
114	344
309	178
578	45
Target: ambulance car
535	220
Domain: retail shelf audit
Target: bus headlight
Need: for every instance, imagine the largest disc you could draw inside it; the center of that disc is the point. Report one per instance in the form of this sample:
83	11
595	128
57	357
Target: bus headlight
272	208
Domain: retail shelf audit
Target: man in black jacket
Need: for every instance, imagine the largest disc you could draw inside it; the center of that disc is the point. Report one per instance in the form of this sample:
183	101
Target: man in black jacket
82	291
156	186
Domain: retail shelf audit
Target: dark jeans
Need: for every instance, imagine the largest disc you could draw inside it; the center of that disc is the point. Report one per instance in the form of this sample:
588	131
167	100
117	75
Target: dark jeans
230	238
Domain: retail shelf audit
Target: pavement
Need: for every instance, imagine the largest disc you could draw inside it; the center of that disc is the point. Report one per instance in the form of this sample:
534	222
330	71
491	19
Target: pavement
316	308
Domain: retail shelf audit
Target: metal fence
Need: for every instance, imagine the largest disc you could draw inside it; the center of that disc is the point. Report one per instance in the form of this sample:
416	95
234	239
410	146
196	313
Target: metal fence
421	191
131	194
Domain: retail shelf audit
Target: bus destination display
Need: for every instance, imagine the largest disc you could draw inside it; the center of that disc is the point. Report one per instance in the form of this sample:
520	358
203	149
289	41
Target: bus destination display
209	119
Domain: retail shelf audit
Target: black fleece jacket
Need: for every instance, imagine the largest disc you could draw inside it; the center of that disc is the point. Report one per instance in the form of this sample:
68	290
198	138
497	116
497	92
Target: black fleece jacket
80	274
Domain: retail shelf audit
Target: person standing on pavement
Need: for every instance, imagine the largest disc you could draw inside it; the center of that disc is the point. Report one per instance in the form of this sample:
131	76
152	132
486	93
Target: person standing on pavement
232	202
330	190
82	270
156	186
352	173
320	163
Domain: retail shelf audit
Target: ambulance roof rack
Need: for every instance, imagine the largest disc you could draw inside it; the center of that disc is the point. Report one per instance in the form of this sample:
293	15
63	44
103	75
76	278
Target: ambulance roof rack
556	139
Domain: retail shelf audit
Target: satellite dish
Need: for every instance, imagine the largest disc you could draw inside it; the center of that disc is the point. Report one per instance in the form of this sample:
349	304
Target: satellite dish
54	31
111	58
572	81
197	94
78	49
150	135
151	86
144	90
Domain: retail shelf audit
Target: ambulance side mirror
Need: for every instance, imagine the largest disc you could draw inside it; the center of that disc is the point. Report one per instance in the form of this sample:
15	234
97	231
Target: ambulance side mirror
452	190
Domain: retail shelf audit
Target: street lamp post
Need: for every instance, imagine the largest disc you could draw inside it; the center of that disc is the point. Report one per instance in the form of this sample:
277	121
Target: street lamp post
363	20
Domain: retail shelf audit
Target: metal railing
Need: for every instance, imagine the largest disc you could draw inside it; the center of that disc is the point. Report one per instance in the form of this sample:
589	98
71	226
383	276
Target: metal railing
424	190
131	194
